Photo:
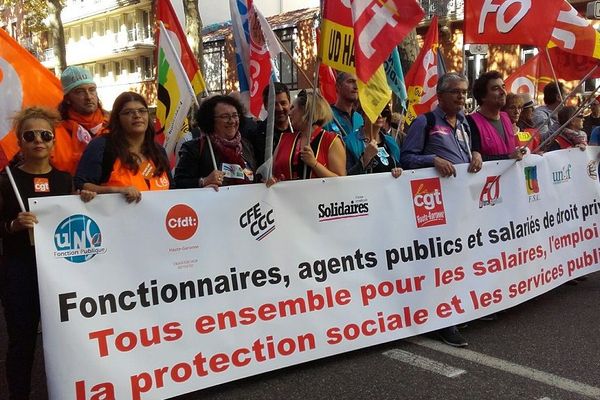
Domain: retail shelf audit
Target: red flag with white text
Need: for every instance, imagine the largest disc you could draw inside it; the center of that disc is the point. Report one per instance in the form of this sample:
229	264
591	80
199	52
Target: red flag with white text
510	21
379	26
421	79
260	61
575	34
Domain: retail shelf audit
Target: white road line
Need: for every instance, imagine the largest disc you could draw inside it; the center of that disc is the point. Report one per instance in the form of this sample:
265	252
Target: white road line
507	366
424	363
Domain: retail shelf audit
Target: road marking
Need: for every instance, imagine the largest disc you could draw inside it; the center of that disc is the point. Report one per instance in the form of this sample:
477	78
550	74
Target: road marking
507	366
424	363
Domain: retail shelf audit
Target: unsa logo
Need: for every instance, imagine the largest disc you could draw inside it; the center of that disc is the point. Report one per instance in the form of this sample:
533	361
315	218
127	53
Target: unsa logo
78	239
181	222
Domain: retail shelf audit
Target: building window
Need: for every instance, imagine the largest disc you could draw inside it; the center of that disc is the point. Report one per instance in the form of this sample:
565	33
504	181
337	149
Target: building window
117	68
215	66
146	67
288	72
88	30
131	66
103	70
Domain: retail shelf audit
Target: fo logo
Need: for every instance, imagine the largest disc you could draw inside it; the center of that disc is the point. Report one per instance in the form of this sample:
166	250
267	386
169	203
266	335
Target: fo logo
181	222
490	194
78	239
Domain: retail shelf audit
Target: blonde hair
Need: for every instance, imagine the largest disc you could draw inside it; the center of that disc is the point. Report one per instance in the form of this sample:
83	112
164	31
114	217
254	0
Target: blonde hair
322	113
35	112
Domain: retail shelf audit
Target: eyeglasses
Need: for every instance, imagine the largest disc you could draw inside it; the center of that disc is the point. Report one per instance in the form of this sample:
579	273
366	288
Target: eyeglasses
29	136
228	117
456	92
131	113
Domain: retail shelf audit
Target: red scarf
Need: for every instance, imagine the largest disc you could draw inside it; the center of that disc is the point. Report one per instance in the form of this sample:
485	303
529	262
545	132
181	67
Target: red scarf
229	150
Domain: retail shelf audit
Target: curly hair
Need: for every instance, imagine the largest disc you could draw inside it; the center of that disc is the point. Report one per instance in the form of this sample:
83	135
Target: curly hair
117	141
34	112
205	116
480	84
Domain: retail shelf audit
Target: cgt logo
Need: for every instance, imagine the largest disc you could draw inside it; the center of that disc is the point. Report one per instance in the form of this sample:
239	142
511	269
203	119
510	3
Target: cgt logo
258	222
78	239
531	183
41	185
490	194
181	222
428	202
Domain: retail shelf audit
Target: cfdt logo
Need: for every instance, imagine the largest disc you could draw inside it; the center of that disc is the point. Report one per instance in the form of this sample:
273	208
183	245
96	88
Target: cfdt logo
428	202
78	239
490	194
359	207
181	222
562	175
531	183
260	223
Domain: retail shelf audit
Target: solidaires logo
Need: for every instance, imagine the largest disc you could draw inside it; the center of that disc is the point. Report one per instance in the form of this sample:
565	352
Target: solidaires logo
78	239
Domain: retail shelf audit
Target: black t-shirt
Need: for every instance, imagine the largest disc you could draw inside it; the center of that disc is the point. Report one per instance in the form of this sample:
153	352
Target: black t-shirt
54	183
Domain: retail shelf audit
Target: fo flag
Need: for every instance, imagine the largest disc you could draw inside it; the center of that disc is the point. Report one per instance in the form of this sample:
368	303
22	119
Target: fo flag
422	77
21	77
510	21
379	26
575	34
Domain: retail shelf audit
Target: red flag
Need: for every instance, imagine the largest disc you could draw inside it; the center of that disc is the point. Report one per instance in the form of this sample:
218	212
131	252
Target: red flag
421	79
379	26
575	34
570	67
260	61
510	21
525	79
166	14
21	79
327	83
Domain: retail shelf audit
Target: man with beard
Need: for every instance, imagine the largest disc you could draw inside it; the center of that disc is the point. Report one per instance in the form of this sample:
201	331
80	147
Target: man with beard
282	122
345	117
82	118
492	134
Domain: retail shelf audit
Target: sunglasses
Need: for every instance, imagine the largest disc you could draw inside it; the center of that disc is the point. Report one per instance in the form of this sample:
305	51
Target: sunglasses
46	136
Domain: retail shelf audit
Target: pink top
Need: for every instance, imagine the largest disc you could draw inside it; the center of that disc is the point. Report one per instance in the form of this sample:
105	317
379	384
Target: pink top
491	142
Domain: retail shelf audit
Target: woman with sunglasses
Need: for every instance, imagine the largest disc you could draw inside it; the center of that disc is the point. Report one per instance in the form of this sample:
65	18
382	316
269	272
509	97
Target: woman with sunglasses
371	150
221	156
34	176
322	156
126	159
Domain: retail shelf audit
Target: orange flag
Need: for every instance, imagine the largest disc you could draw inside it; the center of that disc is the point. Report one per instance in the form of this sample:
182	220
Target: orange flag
575	34
23	82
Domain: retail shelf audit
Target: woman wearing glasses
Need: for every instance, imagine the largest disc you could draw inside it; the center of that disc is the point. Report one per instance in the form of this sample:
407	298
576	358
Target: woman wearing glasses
220	157
34	176
322	156
126	159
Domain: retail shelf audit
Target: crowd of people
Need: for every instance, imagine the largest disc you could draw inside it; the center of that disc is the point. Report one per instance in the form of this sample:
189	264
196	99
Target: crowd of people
83	149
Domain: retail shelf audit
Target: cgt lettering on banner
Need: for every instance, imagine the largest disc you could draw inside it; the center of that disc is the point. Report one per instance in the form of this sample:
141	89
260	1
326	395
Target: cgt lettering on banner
502	25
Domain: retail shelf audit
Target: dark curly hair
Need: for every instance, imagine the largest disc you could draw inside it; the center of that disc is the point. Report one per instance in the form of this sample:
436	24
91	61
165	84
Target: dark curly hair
480	84
205	117
117	141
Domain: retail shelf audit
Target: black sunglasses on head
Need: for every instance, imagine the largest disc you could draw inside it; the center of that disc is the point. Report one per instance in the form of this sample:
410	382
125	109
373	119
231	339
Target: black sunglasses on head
46	136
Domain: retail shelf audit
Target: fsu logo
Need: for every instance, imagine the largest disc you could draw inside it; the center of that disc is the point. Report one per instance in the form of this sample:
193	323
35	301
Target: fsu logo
531	183
490	194
428	202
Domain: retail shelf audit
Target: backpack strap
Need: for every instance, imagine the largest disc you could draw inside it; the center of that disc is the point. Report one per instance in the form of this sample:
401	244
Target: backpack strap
430	123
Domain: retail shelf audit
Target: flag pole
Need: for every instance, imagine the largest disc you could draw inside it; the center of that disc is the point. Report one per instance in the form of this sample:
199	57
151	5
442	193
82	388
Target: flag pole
19	199
553	72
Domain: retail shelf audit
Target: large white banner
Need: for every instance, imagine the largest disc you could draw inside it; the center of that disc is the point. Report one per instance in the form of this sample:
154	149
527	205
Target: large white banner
192	288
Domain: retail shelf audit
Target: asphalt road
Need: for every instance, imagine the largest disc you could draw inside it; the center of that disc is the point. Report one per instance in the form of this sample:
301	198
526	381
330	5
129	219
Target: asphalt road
545	349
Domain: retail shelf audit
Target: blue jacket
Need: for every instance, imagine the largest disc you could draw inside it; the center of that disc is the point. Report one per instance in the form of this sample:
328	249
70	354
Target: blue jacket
343	123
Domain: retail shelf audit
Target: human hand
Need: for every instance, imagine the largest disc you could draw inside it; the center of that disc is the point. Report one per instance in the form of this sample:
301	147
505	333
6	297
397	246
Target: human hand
370	152
215	178
476	162
86	195
24	220
444	167
131	194
396	172
308	157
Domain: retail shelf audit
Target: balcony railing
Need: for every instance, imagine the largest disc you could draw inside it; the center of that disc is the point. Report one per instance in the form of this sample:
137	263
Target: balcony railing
451	9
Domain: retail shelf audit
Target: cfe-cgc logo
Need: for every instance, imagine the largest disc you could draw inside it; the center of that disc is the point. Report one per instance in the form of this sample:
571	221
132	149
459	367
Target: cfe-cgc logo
78	239
531	183
259	222
181	222
428	202
359	207
490	194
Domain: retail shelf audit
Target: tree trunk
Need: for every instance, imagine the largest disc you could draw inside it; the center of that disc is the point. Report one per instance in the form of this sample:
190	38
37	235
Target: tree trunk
193	30
408	50
58	35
